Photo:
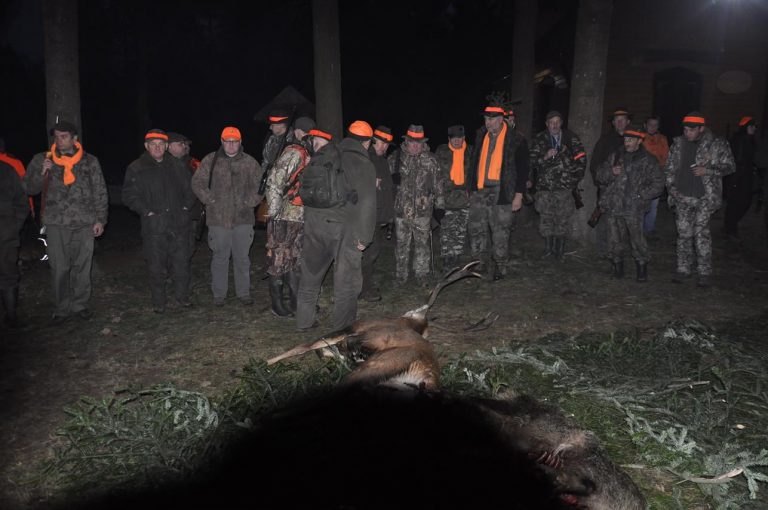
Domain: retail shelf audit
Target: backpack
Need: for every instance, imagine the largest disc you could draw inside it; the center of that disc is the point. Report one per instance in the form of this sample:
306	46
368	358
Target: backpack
324	186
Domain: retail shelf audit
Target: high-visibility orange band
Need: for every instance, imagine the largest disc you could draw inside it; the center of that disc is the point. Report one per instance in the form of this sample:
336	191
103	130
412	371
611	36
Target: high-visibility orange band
321	134
693	120
744	121
275	120
580	155
161	136
494	109
384	136
414	134
620	112
630	132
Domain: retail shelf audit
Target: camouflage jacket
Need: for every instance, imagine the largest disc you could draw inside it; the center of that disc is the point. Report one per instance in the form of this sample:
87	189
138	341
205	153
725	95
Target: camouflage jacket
269	153
714	154
421	186
233	192
81	204
279	181
565	170
456	197
640	181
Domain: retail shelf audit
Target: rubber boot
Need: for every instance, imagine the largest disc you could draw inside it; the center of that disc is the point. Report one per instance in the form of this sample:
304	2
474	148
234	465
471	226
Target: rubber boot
11	299
618	269
549	244
642	271
276	294
292	281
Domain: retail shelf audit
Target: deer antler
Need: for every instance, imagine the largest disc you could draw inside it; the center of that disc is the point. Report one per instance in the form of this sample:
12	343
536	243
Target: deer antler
454	275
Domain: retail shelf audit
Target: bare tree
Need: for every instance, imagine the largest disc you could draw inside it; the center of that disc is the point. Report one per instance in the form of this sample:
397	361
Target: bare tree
62	73
523	62
325	24
585	117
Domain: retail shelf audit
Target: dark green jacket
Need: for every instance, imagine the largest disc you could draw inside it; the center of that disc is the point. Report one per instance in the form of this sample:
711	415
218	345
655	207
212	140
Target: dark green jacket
565	170
640	181
162	188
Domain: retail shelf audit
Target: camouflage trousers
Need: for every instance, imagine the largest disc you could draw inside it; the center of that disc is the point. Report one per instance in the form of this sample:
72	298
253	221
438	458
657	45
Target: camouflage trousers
453	232
623	230
555	210
489	227
284	240
418	231
694	240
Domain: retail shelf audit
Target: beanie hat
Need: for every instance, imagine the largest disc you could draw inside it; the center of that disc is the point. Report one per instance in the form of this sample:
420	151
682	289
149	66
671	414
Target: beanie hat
306	124
176	137
360	130
230	133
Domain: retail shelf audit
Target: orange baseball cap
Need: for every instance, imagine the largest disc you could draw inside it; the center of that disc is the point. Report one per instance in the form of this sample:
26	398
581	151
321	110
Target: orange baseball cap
231	133
361	129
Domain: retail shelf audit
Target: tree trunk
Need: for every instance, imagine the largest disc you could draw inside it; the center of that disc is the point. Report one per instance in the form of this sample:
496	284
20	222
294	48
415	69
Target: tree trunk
62	74
523	63
325	24
593	28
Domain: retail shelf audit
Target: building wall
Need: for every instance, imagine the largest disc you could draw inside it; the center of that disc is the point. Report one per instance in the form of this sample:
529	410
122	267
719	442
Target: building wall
705	36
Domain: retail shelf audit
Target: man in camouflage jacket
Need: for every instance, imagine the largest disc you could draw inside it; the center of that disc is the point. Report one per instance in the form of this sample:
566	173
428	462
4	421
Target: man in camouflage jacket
74	211
285	224
558	163
630	179
227	184
454	158
419	193
13	211
697	163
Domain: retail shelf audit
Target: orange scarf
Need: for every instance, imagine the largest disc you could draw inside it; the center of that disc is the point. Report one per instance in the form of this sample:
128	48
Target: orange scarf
68	162
494	171
457	167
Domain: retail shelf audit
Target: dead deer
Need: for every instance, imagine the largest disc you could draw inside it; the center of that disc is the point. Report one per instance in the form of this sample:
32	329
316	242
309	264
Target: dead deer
392	351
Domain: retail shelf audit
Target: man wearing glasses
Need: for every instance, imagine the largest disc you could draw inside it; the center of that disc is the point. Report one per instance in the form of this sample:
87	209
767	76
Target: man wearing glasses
227	184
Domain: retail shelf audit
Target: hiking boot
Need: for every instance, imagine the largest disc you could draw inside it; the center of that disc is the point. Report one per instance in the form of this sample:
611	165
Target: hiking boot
559	248
218	301
246	300
276	295
642	271
703	281
291	282
618	269
423	282
184	302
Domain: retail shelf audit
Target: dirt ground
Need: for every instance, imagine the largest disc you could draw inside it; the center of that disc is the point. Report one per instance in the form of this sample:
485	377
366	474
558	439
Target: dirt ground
45	368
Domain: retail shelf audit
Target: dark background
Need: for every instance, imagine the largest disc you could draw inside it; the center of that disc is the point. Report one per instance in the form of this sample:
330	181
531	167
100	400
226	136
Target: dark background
196	66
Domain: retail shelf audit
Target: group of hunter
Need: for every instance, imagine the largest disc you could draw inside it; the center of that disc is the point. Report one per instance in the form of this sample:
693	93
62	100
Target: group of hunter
471	192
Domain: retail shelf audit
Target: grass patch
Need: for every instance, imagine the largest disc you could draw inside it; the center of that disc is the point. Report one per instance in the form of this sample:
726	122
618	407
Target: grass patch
684	410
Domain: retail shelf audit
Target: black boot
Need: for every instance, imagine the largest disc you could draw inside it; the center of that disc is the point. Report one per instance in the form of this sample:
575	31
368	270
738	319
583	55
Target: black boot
618	269
449	263
642	271
292	280
276	294
11	299
549	243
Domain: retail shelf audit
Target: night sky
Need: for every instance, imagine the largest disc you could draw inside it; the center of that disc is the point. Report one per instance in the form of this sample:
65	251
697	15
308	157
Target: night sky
196	66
